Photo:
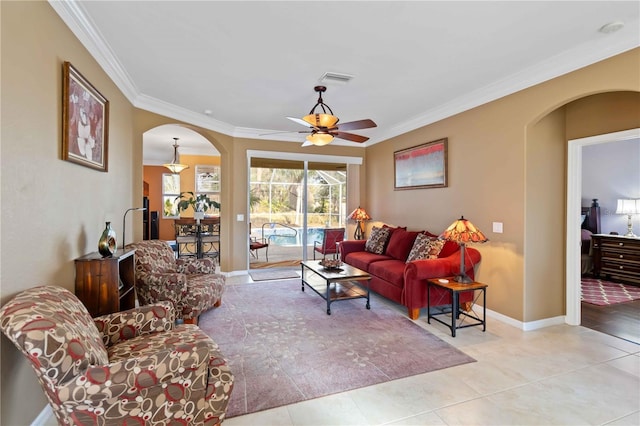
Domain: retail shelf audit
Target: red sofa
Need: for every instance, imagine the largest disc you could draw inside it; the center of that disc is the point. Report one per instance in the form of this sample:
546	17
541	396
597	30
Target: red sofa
406	283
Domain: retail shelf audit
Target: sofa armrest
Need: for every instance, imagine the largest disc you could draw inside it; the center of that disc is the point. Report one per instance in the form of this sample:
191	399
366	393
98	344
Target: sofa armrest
121	326
350	246
417	272
196	266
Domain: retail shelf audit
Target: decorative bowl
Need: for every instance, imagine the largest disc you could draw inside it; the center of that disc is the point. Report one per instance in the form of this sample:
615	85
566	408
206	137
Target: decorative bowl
331	264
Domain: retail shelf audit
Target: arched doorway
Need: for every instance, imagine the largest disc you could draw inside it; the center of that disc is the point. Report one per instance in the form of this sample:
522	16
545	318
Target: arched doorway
161	186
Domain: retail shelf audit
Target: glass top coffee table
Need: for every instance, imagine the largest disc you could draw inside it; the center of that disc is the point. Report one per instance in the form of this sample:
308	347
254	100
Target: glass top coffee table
332	285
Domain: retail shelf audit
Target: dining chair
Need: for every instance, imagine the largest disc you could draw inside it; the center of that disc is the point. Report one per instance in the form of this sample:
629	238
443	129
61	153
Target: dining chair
186	237
210	238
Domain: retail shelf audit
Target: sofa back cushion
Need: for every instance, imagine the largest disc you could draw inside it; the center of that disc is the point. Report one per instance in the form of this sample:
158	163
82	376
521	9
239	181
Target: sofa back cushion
377	240
400	243
425	247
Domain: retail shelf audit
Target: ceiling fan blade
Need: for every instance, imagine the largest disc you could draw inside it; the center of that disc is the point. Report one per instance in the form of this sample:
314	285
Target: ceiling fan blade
355	125
306	143
350	137
300	121
285	131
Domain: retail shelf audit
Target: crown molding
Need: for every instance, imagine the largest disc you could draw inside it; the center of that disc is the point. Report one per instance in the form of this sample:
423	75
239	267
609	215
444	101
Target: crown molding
167	109
551	68
74	16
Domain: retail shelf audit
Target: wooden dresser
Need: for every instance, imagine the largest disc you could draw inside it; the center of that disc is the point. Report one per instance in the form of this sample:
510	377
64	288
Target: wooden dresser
616	257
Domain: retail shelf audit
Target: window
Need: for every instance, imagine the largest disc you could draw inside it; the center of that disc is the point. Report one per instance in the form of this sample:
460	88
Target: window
208	182
170	190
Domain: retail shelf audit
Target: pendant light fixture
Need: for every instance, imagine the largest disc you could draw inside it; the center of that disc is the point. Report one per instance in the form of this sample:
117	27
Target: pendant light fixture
174	166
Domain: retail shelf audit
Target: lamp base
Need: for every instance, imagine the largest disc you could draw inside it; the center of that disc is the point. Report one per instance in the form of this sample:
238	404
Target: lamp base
462	279
359	233
629	228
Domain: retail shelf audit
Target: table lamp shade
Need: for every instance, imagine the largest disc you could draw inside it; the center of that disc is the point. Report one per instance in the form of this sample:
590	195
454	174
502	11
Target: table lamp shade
628	207
462	232
359	214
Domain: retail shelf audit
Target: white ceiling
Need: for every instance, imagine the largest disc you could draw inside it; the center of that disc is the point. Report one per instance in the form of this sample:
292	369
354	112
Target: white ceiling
252	63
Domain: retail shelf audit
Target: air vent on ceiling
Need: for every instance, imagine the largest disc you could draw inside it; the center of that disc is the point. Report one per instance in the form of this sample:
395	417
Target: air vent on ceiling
335	78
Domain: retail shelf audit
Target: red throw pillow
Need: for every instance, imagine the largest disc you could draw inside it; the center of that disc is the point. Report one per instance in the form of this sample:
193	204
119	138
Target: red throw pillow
400	243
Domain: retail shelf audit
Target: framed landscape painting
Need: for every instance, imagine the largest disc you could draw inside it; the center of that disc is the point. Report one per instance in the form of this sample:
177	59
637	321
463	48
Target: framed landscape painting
85	121
422	166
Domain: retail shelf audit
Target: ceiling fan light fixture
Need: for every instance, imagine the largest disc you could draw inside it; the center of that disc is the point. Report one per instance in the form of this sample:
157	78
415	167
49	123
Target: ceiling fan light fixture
174	166
321	120
320	139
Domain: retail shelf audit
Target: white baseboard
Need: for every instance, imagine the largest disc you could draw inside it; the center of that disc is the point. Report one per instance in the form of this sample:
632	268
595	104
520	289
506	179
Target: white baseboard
46	417
527	326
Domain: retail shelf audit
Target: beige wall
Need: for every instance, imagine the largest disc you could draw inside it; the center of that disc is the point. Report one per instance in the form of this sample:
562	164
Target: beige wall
53	211
506	164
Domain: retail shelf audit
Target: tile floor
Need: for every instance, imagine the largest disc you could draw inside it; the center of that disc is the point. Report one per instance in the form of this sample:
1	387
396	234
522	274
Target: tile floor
560	375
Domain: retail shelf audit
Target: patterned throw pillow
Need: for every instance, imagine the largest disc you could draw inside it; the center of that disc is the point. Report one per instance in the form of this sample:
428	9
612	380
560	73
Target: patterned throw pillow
377	240
425	247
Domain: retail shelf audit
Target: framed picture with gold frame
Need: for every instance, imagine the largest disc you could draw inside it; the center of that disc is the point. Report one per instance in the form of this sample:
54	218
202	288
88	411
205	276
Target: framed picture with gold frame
85	122
422	166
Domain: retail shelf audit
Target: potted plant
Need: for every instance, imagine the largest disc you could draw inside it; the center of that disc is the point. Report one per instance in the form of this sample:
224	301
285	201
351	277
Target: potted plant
200	203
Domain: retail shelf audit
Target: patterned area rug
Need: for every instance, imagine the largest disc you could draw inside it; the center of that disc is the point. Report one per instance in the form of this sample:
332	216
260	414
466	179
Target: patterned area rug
601	292
283	347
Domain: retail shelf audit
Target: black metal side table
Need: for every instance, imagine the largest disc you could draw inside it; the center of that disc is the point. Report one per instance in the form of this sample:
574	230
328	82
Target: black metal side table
454	289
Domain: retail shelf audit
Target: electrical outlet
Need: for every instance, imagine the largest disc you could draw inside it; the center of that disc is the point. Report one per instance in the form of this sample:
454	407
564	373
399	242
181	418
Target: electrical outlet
497	227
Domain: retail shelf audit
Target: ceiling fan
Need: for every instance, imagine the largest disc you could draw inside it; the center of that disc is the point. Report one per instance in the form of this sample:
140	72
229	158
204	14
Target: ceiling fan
324	126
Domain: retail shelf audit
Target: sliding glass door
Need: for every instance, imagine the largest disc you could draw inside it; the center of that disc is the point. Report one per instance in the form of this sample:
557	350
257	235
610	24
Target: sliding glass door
291	202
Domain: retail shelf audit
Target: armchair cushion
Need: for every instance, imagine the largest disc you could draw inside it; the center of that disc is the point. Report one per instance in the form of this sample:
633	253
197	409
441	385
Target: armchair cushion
146	371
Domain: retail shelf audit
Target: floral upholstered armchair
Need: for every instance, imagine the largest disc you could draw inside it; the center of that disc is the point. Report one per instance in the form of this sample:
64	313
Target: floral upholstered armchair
130	367
190	284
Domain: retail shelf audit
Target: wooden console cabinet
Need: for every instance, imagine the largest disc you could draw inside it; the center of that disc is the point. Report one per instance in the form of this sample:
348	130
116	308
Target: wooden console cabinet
616	257
106	284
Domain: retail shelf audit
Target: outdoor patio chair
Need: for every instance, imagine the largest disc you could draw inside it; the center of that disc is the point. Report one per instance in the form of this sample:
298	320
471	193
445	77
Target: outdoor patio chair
330	242
256	244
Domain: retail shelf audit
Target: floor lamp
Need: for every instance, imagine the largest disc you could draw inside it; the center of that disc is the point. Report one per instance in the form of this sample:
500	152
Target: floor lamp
462	232
124	221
